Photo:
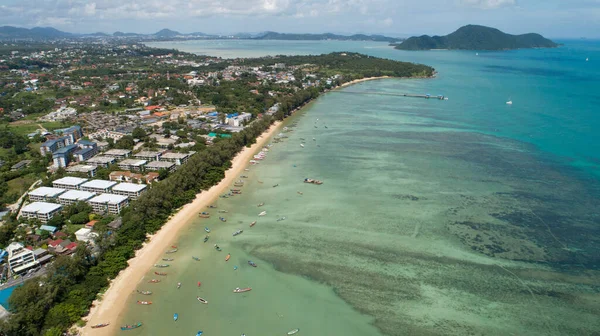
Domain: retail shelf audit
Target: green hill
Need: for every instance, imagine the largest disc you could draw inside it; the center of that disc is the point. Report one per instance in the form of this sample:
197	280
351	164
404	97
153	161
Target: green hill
473	37
326	36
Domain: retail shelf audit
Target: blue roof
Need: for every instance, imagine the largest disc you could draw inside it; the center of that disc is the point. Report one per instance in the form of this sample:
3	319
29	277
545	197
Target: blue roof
65	150
50	143
86	143
213	114
68	129
233	115
83	151
2	254
49	228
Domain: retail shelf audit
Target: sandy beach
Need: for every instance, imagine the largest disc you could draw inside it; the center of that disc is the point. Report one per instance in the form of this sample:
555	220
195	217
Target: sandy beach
114	299
356	81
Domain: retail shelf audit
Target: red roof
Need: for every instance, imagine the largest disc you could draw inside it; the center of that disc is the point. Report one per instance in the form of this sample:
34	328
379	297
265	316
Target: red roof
152	107
54	243
60	234
71	246
91	224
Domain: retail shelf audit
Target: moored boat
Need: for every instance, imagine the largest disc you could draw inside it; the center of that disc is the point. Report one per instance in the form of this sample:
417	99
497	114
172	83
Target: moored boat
161	265
252	224
196	258
223	211
291	332
144	302
204	216
217	247
312	181
175	317
262	213
178	285
206	229
228	256
154	281
206	238
211	206
281	218
160	273
222	219
276	185
199	333
144	292
172	251
100	325
168	259
131	326
237	232
201	300
252	263
242	290
260	204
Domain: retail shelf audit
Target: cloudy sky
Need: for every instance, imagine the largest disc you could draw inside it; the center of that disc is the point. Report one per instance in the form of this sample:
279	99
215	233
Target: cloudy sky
553	18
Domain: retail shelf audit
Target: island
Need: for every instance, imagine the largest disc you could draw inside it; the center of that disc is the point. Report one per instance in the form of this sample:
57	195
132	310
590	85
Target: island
474	37
326	36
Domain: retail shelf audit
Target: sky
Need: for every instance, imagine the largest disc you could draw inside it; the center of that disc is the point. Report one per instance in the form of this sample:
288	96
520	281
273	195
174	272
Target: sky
552	18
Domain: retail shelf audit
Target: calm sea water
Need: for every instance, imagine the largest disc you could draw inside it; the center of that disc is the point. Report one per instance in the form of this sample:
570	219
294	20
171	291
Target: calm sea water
465	216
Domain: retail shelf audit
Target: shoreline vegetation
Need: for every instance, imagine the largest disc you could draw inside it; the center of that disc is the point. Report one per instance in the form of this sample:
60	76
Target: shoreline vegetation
52	304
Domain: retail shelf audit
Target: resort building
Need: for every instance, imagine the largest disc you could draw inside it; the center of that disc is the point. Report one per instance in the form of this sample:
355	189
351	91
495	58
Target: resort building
176	158
101	161
52	146
119	154
107	203
131	190
85	235
132	164
85	153
158	165
45	194
98	186
74	196
126	176
84	169
61	157
69	183
148	155
41	210
20	259
71	134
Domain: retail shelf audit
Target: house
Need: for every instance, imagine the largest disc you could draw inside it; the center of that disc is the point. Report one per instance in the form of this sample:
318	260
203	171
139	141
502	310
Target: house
84	169
41	210
119	154
90	224
176	158
69	183
101	161
105	134
116	224
20	259
148	155
131	190
20	164
107	203
45	194
74	196
98	186
132	164
61	157
85	235
158	165
49	228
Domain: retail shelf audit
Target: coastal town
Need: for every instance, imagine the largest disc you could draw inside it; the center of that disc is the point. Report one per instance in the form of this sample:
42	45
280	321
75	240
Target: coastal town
93	128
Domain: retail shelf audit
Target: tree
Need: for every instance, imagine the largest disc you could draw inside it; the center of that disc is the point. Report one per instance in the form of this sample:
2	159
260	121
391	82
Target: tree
125	142
80	218
138	133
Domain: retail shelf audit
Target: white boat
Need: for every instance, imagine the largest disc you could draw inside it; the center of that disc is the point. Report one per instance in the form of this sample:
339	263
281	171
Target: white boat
262	213
476	54
291	332
301	145
587	59
509	102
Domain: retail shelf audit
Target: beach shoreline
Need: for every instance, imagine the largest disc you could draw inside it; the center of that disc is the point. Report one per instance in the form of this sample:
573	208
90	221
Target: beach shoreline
114	300
356	81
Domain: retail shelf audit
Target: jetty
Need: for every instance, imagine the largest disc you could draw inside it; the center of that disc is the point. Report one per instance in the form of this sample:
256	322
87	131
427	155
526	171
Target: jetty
410	95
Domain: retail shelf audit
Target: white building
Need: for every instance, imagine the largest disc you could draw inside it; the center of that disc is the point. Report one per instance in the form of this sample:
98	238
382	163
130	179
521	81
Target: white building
107	203
105	134
85	235
131	190
98	186
119	154
101	161
132	164
20	259
41	210
44	194
85	169
176	158
69	183
147	155
158	165
74	196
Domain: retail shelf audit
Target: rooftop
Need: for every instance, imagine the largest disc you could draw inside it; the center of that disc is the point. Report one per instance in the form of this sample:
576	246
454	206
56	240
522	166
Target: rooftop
77	195
174	155
160	164
108	198
99	184
41	207
47	192
72	181
133	162
117	152
80	169
101	159
65	150
147	153
129	187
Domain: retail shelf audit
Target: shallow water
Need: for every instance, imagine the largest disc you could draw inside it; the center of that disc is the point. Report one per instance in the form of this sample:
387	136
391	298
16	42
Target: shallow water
458	217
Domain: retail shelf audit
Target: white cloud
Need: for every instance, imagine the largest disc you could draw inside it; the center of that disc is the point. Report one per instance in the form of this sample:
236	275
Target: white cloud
488	4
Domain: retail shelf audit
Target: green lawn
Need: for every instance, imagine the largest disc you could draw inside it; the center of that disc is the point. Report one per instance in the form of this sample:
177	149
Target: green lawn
24	129
18	186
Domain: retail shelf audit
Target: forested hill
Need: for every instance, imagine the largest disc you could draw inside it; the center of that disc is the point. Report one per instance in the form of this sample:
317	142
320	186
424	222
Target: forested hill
473	37
326	36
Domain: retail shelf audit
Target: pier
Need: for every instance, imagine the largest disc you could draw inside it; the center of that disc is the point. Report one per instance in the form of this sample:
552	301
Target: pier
411	95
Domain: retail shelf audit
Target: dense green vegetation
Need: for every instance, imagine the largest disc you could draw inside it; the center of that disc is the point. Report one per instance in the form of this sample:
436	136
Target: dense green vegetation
326	36
473	37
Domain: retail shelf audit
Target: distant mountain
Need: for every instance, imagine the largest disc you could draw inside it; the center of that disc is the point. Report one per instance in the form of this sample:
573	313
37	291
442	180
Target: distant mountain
326	36
121	34
167	33
37	33
473	37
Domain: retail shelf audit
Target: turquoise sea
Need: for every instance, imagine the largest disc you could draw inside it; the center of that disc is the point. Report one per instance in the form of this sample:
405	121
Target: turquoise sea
466	216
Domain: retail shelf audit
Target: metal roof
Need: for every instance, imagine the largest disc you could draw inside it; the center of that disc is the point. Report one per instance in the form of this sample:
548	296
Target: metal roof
118	152
133	162
47	192
69	180
160	164
108	198
129	187
98	184
41	207
77	195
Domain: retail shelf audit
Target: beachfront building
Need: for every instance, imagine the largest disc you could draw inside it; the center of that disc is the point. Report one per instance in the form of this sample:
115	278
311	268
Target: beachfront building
176	158
74	196
148	155
85	235
98	186
45	194
101	161
119	154
20	259
83	169
132	164
131	190
108	203
41	210
127	176
158	165
69	183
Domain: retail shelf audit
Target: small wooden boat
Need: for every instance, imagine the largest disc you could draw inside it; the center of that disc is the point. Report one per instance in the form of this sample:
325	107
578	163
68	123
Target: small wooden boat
228	256
172	251
144	302
168	259
131	326
202	300
173	246
237	232
291	332
262	213
212	206
252	263
217	247
223	211
161	265
160	273
260	181
206	229
206	238
252	224
236	192
154	281
281	218
223	219
144	292
224	196
311	181
204	216
243	176
326	127
242	290
178	285
175	317
199	333
196	258
232	190
276	185
260	204
199	283
100	325
300	193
